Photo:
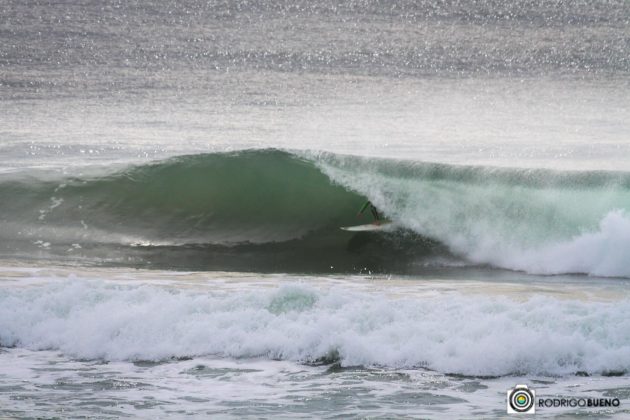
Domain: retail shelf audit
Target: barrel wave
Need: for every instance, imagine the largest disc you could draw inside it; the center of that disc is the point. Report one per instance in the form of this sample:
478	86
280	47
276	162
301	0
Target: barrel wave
275	210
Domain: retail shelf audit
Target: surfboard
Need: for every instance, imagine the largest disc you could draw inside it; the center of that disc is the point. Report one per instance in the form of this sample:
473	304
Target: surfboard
365	228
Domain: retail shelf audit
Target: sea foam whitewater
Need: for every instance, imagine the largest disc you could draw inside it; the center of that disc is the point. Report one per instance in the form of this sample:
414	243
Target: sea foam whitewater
173	177
450	332
196	342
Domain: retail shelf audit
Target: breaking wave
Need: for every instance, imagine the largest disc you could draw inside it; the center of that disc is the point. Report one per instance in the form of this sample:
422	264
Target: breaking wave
281	211
451	333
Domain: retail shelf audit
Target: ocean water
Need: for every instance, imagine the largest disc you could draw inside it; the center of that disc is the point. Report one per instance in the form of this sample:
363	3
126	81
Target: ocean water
173	176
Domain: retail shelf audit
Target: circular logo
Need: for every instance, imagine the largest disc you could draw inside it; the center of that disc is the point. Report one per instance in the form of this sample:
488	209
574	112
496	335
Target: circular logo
521	400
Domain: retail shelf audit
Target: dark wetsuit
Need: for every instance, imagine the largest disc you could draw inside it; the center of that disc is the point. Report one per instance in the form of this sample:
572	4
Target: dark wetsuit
373	209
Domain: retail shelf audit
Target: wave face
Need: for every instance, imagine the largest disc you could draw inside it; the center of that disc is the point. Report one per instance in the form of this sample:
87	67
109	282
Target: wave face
264	210
451	333
279	211
251	197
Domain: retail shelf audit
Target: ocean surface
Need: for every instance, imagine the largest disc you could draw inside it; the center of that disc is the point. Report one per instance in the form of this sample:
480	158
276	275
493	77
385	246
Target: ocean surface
173	176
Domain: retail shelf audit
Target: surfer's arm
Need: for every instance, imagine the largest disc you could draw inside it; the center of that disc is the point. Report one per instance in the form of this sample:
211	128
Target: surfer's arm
365	206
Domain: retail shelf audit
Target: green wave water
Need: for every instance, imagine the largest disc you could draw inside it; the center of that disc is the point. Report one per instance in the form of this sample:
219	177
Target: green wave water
281	211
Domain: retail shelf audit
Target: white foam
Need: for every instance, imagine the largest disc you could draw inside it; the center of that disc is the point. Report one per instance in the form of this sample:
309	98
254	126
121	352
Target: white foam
537	229
604	252
454	333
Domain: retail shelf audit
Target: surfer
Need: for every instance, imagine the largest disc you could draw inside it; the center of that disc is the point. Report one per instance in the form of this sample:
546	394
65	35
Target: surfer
373	209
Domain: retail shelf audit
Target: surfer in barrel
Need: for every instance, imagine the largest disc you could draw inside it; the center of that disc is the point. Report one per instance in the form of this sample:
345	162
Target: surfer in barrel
373	210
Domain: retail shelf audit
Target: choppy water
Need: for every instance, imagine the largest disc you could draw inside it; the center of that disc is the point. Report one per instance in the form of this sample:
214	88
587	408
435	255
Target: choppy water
173	176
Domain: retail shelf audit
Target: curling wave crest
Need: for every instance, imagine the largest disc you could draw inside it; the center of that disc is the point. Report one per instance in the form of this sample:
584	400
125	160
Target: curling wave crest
280	211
